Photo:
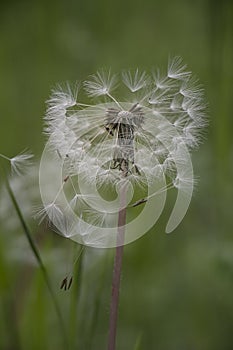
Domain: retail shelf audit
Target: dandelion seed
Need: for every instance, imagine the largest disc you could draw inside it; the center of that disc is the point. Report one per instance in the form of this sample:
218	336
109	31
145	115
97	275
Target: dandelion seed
52	211
19	163
162	81
176	69
65	284
135	81
102	83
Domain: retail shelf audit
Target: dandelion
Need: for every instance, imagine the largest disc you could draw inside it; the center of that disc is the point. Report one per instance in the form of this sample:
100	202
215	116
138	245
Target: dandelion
142	140
109	148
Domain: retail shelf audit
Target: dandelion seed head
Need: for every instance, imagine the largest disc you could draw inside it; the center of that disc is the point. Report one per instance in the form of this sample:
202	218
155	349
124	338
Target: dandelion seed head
146	139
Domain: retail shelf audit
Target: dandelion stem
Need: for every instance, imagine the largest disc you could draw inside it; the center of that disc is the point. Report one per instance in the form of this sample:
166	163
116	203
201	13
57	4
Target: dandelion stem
117	271
38	258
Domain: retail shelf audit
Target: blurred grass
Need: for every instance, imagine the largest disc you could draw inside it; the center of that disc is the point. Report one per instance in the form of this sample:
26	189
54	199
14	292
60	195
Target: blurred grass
176	289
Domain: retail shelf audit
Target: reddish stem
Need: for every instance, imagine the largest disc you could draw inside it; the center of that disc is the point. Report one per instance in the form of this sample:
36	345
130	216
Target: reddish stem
117	271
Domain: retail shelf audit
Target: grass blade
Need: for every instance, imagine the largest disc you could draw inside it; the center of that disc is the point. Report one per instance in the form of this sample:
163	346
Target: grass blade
39	260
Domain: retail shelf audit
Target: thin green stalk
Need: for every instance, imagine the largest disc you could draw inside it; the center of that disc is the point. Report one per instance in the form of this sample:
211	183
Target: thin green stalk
39	260
138	343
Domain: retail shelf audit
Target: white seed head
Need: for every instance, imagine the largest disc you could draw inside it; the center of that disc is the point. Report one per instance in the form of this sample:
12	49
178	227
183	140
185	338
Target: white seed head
142	140
106	137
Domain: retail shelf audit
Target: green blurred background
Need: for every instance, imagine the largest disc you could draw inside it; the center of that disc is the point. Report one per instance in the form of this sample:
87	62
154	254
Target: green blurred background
176	290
